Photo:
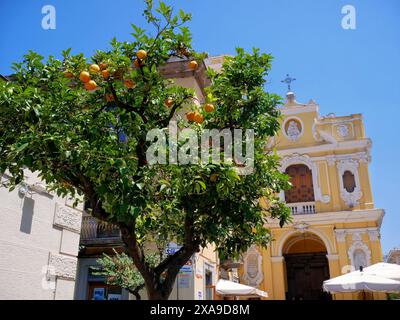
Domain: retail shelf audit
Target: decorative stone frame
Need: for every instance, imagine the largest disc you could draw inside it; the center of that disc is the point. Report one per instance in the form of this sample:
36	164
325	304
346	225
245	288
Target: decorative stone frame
67	218
339	129
291	118
306	160
350	198
258	277
330	247
359	245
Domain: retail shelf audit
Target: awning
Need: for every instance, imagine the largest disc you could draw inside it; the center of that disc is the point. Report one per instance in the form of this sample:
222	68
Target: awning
385	270
361	281
229	288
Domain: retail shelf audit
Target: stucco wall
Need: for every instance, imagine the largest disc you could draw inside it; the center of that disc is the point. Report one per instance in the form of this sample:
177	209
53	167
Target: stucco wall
39	241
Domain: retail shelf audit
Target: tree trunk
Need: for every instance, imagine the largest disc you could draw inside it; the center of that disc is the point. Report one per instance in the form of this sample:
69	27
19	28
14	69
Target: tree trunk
157	288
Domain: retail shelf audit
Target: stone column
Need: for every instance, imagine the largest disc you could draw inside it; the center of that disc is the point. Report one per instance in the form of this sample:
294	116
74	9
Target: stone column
279	279
343	259
267	270
334	271
376	256
334	184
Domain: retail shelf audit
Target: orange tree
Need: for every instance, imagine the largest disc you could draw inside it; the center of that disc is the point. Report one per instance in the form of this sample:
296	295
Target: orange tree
82	123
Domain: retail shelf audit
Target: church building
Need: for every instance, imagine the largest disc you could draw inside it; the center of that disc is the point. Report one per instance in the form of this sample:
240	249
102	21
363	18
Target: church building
335	227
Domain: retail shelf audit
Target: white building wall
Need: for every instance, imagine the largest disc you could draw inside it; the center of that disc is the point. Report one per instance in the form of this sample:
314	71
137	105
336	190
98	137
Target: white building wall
39	242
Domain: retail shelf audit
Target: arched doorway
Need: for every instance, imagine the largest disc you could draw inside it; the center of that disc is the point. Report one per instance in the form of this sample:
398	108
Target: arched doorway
306	267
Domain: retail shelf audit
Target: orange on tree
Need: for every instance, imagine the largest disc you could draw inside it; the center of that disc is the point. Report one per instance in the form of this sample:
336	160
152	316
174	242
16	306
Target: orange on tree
137	63
198	117
169	102
84	76
94	68
90	85
105	73
129	83
209	107
68	74
193	65
190	116
141	54
103	66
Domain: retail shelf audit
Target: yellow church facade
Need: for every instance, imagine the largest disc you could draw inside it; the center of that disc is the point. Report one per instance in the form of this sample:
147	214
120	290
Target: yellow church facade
335	227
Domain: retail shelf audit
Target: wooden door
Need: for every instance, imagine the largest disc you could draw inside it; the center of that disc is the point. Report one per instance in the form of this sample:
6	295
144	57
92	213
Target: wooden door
303	188
305	275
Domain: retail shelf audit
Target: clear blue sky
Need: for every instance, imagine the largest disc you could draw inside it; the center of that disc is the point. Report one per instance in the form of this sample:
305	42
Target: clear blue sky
345	71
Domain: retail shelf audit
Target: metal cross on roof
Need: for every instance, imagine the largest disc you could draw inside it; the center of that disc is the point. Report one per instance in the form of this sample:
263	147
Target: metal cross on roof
288	80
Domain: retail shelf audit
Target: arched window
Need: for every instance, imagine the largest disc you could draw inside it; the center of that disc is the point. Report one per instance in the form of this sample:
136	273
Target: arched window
349	182
302	184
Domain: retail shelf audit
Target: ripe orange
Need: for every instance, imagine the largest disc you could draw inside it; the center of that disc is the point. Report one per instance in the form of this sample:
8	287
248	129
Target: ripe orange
137	63
109	97
90	85
141	54
190	116
209	107
198	117
94	68
193	65
105	73
129	83
169	102
103	66
68	74
84	76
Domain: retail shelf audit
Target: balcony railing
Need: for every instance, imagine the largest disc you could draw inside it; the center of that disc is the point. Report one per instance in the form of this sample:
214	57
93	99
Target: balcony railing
95	230
302	207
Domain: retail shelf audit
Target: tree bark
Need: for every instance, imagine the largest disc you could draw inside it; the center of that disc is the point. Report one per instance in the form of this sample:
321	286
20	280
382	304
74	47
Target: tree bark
159	281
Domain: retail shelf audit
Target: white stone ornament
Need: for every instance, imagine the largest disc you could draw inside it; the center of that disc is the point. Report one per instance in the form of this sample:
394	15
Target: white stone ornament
357	259
350	198
342	130
67	218
293	132
63	266
357	236
253	274
301	226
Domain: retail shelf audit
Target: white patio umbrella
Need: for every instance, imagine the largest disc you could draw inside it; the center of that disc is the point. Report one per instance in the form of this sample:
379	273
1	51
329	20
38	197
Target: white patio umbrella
385	270
229	288
361	281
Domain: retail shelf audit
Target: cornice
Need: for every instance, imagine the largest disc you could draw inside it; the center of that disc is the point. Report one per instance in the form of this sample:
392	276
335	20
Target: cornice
326	218
299	108
341	145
